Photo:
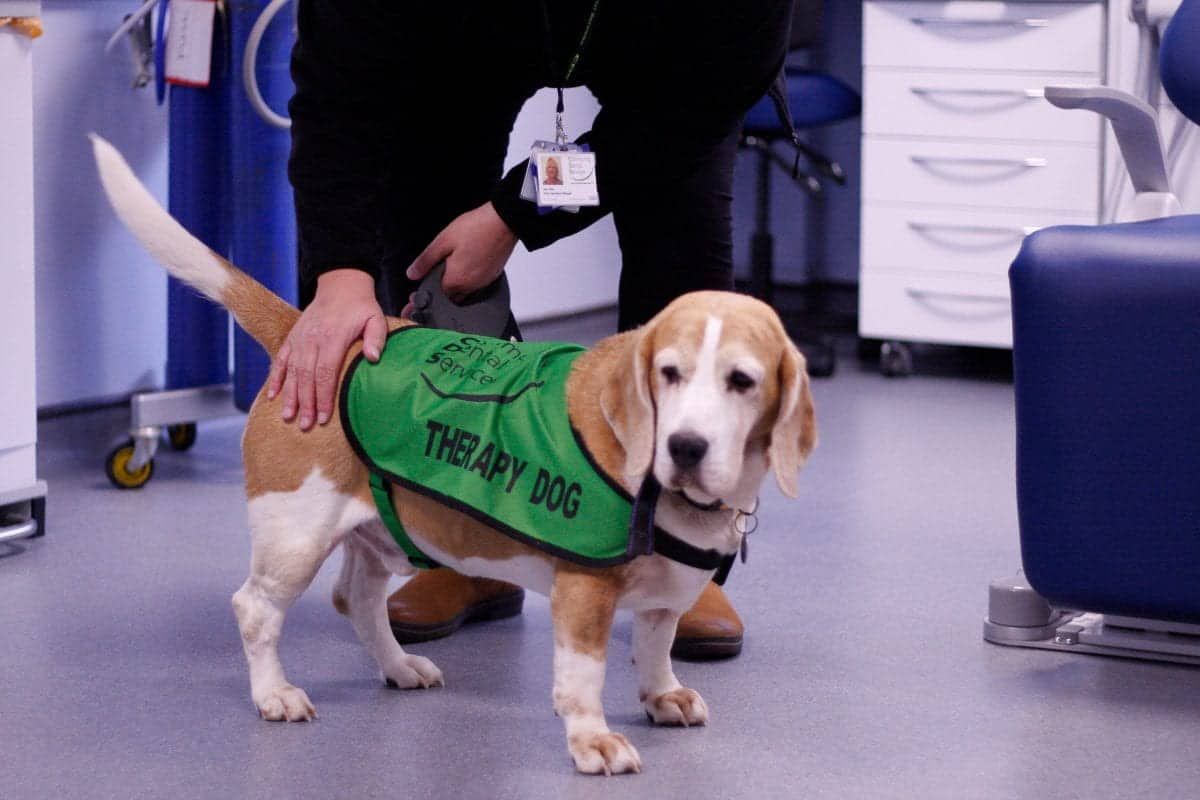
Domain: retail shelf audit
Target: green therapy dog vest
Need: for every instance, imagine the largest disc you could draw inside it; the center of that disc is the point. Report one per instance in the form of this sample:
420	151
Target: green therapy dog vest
481	425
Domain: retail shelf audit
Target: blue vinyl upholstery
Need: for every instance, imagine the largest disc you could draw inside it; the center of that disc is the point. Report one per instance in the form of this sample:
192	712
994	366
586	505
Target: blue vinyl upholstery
1106	356
814	98
1106	349
1180	60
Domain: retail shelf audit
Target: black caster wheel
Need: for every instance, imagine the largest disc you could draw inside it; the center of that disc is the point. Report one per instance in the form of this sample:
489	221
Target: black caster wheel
182	436
821	358
116	467
868	349
895	360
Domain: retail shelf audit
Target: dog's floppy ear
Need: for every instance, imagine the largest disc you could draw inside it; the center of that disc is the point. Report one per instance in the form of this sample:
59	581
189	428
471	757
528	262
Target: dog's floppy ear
794	434
628	405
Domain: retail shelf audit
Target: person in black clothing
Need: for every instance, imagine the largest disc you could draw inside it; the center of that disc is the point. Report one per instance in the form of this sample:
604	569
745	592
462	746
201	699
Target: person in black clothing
385	89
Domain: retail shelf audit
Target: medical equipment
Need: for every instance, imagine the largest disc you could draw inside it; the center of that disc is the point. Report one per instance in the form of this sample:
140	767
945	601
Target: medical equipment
228	185
250	65
1105	339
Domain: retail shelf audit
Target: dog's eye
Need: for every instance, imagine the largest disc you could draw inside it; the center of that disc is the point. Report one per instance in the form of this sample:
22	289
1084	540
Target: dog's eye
740	381
670	374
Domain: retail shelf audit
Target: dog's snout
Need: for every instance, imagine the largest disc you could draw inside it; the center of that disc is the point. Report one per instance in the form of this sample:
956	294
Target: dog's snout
686	449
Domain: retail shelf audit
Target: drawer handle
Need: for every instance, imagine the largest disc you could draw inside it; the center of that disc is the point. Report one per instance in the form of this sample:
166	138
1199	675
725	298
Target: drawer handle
21	530
1009	230
951	22
933	294
1018	94
1020	163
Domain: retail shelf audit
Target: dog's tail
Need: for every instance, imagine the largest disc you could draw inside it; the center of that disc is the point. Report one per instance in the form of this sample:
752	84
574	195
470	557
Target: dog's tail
262	313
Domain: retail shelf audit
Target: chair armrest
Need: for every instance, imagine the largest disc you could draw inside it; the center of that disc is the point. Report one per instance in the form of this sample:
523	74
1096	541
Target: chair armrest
1135	125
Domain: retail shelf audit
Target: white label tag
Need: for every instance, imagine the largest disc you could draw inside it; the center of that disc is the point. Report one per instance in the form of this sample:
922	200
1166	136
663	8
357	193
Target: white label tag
567	179
189	42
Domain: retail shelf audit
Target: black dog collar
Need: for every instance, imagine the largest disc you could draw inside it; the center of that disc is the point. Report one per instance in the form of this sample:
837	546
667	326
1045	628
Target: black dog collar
647	538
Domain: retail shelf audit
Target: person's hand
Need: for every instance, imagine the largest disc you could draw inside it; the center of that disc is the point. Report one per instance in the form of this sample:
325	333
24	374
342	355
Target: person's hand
306	369
475	247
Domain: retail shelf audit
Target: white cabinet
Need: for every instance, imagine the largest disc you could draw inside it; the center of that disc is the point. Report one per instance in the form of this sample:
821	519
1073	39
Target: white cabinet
18	410
962	157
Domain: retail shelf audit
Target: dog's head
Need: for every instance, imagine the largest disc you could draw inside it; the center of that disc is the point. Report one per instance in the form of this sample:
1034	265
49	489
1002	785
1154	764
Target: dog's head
714	383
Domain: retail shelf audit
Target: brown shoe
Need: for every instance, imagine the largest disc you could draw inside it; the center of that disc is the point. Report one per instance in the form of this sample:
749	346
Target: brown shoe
710	630
435	603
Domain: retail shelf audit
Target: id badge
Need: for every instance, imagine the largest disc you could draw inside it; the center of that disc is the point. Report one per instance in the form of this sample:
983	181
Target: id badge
566	178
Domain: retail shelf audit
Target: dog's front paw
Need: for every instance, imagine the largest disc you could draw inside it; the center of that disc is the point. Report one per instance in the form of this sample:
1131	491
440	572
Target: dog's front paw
679	707
607	752
413	672
285	703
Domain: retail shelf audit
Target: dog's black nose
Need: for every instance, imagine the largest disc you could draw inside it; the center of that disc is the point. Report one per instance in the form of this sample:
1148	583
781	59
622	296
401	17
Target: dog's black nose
686	449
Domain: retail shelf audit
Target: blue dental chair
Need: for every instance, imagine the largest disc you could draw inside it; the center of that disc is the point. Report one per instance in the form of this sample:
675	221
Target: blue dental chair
1106	351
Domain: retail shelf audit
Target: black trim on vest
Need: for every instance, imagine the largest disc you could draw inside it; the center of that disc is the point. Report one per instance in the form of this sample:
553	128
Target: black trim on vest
670	546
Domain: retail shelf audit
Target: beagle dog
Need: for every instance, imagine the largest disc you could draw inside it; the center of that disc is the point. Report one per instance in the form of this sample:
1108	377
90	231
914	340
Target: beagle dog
706	398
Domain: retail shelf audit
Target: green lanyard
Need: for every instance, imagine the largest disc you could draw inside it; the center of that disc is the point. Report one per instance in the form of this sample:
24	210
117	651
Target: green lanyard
559	134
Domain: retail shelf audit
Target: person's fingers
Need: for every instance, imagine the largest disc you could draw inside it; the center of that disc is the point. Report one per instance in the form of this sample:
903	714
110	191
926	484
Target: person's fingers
407	311
464	279
278	371
288	391
437	250
374	336
306	387
325	375
454	288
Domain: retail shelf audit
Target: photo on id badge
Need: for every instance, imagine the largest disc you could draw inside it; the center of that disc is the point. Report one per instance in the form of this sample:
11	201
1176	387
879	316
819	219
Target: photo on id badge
566	179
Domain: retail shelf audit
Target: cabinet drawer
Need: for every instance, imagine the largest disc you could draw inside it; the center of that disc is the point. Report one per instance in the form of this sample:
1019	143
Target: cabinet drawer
964	241
1049	176
979	105
914	306
1051	37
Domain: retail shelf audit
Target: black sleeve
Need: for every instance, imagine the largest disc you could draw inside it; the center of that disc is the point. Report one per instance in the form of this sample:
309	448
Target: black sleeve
339	121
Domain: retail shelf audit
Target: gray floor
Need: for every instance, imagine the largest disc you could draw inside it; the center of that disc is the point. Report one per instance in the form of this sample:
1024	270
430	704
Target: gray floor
864	675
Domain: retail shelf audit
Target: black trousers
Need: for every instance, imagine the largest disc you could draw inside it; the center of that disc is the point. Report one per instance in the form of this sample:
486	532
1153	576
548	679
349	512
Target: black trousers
671	95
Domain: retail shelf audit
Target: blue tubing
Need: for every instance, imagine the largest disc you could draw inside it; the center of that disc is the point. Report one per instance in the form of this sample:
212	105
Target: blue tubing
198	331
264	219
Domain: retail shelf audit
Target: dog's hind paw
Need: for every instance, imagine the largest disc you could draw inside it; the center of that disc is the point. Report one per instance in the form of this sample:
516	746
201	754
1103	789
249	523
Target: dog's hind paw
604	752
286	703
413	672
680	707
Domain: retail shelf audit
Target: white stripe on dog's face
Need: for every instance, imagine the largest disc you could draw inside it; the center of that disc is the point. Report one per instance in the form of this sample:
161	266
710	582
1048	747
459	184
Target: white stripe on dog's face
707	399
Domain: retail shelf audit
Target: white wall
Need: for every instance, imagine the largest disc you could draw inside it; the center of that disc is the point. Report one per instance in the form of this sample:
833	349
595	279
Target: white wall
101	302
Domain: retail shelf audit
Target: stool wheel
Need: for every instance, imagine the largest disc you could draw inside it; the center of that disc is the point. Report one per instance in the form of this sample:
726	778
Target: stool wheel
182	436
895	360
116	467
